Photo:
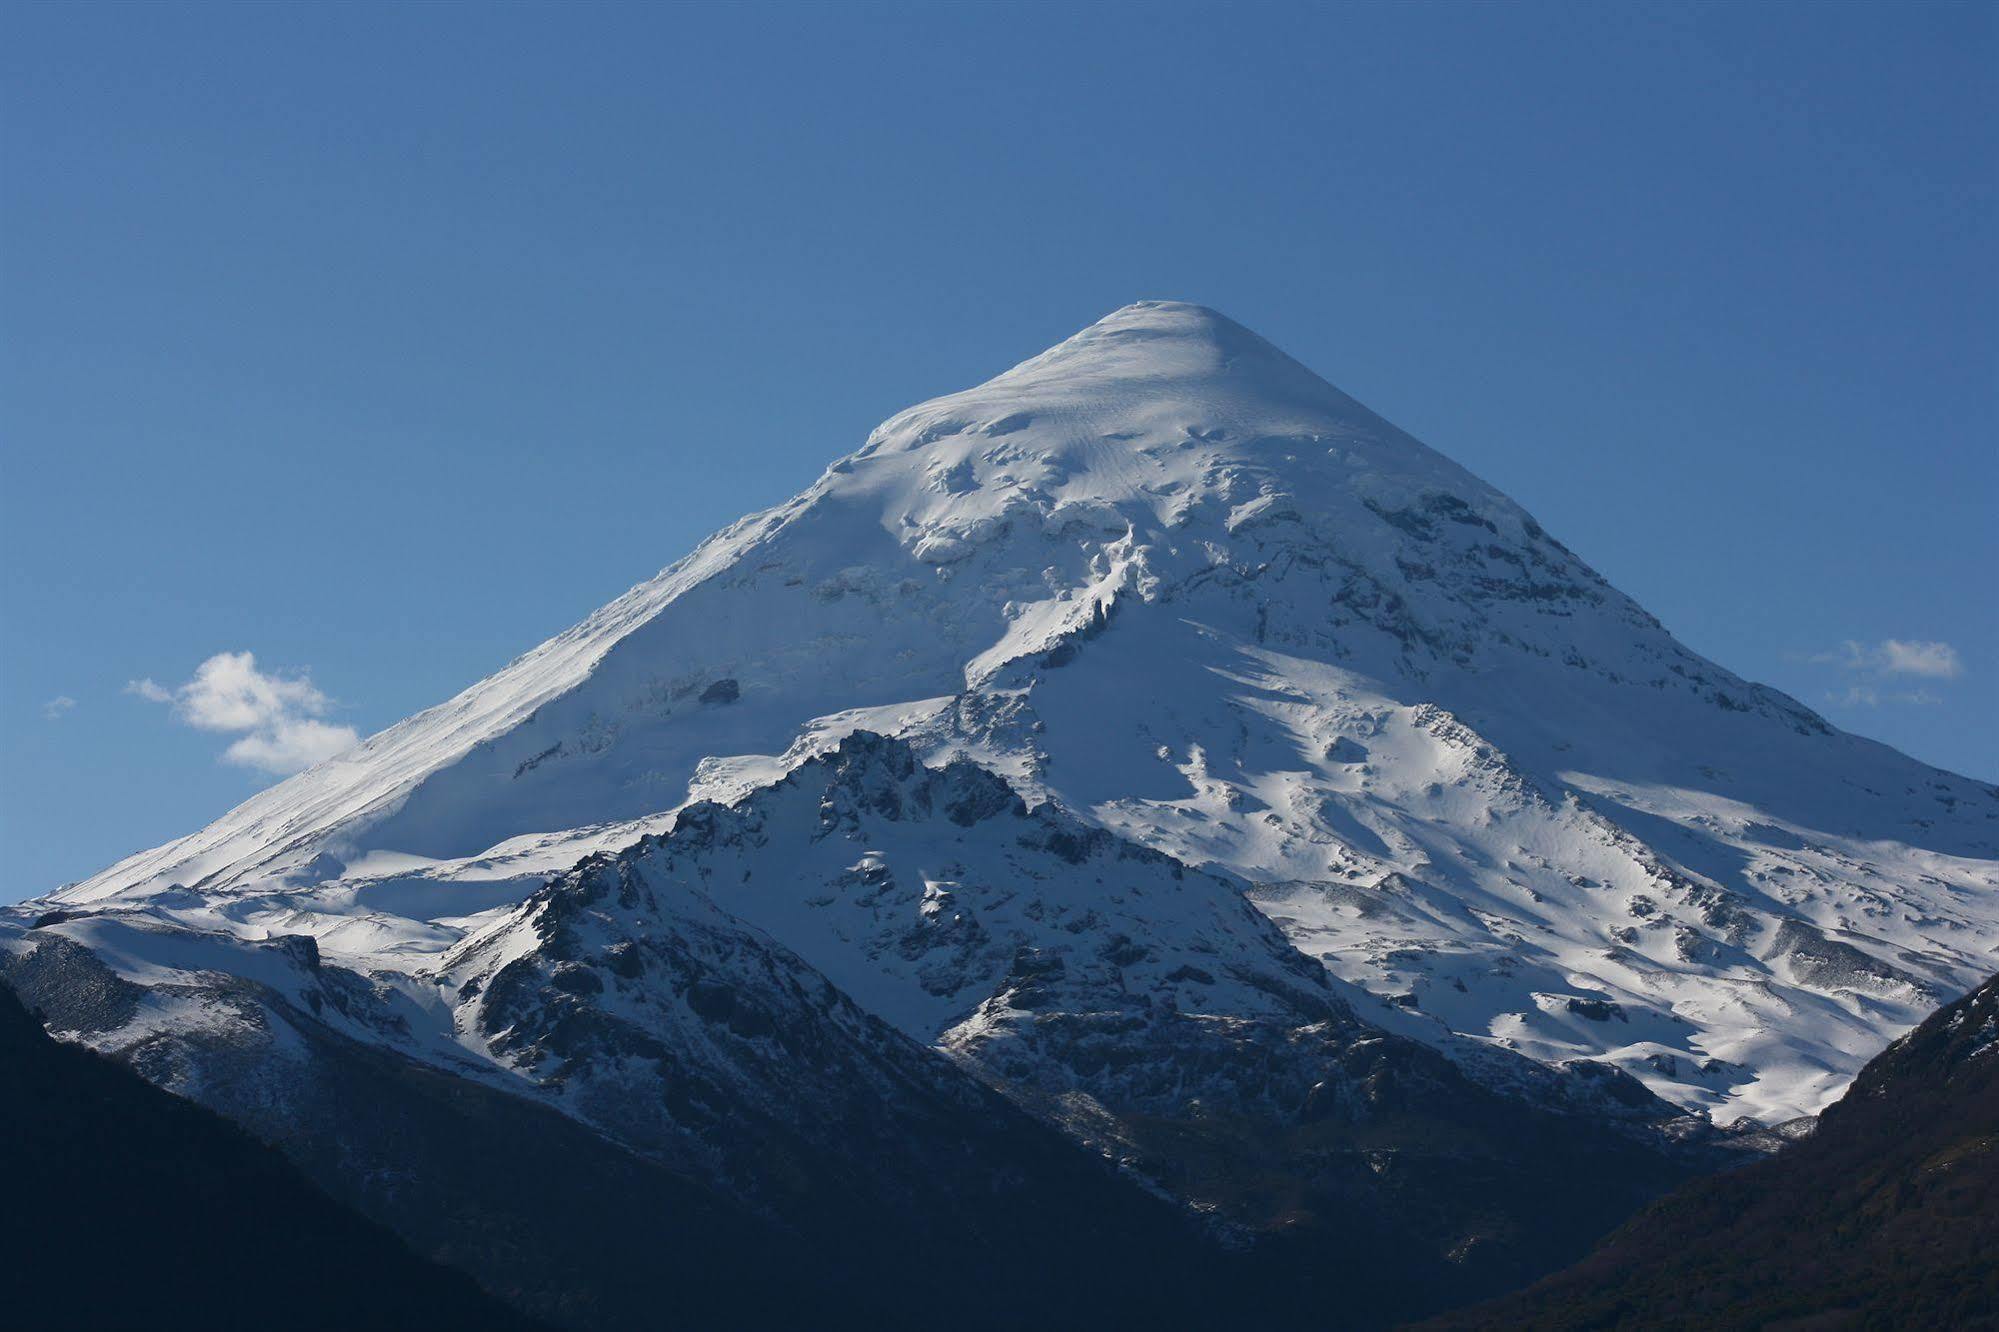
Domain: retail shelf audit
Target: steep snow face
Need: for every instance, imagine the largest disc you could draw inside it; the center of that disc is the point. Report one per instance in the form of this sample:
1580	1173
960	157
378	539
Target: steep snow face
1167	577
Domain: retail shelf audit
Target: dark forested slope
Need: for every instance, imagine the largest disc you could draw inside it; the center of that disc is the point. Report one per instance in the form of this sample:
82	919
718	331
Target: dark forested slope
1886	1217
129	1207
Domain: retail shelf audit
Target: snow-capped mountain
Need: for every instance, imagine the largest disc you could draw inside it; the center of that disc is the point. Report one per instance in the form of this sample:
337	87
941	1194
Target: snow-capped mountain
1147	786
1171	581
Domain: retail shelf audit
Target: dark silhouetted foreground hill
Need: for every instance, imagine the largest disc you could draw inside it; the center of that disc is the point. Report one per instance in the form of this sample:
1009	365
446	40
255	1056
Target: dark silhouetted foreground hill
129	1207
1886	1217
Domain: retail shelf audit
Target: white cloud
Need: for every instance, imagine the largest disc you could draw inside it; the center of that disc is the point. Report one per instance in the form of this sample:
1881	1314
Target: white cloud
1874	667
1936	661
58	707
290	745
229	693
277	715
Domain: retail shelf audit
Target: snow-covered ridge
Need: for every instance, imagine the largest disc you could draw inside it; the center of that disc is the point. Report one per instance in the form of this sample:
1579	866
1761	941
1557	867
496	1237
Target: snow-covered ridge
1168	578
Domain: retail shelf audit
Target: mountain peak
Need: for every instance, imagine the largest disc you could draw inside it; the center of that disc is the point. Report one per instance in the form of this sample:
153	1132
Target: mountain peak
1155	342
1154	404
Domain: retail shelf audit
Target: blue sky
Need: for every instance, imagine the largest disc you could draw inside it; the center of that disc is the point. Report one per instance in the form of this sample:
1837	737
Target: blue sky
381	343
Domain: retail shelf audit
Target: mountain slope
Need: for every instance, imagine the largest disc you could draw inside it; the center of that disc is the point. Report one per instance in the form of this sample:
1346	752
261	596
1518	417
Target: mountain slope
658	1119
749	1003
210	1228
1166	576
1149	1011
1886	1216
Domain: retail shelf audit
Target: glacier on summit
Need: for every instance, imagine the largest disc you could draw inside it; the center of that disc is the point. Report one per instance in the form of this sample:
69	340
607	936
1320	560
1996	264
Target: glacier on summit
1168	581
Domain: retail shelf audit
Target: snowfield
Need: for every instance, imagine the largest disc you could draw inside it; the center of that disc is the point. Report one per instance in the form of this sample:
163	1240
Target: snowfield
1168	583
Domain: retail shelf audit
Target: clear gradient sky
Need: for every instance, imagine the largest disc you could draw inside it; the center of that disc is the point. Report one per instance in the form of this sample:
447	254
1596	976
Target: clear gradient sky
384	342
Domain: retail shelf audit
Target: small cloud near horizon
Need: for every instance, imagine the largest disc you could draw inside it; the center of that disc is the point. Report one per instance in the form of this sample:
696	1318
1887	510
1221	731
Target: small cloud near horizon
1875	665
1897	656
276	717
58	707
